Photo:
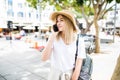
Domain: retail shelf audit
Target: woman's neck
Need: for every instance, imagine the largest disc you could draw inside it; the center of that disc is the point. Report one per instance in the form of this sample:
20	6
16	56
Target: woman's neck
63	35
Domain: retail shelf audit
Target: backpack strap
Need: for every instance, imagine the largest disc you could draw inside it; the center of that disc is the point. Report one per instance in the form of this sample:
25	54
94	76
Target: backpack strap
76	47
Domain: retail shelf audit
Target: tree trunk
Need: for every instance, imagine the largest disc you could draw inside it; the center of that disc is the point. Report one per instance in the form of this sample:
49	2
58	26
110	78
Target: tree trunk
97	40
116	74
88	27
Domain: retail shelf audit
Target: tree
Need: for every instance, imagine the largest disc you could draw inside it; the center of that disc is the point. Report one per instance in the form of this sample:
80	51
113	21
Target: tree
97	8
100	8
116	73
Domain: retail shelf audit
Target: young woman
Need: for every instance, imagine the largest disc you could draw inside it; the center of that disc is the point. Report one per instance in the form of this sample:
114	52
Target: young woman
61	48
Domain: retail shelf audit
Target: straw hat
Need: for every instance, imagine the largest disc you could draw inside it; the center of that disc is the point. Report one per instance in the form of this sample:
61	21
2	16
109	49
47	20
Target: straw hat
66	13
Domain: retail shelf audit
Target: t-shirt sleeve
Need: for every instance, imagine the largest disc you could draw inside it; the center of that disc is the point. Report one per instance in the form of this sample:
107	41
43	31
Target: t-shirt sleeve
81	48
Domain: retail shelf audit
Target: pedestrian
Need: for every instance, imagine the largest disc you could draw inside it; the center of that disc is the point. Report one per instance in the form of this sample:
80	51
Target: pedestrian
61	48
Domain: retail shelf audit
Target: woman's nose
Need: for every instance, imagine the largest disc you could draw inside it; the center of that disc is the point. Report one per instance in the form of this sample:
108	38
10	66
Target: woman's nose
58	23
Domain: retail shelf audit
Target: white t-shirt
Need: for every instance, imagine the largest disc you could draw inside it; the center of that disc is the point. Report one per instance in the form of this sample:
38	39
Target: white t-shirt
63	56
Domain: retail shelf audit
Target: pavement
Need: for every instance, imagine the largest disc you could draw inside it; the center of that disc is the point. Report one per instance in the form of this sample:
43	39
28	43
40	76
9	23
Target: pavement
104	62
18	61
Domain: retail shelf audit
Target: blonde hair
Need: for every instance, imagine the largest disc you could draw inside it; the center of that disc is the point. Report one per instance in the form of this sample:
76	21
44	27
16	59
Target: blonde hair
70	31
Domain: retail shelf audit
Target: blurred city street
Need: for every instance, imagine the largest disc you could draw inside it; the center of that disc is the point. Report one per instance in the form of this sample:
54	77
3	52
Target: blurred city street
18	61
29	24
105	62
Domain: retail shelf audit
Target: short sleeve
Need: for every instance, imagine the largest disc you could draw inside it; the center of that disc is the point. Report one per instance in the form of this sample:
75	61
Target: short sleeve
81	48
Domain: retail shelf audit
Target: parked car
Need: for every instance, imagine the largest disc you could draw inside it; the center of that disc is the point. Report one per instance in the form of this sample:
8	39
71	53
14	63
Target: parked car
89	43
104	38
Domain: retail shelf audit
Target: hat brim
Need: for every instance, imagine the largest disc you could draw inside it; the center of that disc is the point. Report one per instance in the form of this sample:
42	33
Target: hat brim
65	13
68	14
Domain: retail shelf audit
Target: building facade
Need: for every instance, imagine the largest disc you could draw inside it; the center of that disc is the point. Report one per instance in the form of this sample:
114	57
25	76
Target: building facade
113	21
22	15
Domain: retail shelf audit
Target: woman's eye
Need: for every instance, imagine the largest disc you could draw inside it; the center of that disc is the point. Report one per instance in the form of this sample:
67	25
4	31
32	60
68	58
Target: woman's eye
61	20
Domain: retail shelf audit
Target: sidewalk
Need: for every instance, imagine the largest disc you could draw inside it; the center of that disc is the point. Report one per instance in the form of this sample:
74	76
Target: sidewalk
105	62
20	62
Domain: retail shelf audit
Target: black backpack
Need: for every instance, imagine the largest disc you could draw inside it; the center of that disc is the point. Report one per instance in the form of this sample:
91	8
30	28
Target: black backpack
87	65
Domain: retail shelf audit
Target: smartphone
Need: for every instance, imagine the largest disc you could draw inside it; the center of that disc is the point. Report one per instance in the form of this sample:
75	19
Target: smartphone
55	28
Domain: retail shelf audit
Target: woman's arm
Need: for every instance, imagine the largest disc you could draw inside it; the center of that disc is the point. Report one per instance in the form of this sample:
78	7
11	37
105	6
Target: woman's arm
76	72
48	49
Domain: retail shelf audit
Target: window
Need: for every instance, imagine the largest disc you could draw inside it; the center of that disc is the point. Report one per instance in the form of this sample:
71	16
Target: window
19	5
10	13
29	15
20	14
10	3
37	16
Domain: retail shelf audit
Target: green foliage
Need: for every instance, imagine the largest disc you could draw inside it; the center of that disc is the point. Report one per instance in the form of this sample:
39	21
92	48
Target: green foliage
32	3
78	14
80	2
66	4
58	7
60	1
109	1
118	1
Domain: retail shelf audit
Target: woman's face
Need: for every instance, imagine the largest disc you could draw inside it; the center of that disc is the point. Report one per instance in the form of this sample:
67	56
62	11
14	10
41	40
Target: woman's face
60	23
